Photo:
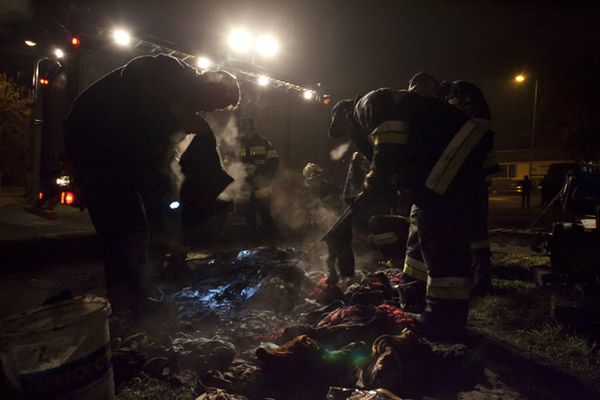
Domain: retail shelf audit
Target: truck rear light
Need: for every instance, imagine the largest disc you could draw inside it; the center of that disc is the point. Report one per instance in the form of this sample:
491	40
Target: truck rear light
67	198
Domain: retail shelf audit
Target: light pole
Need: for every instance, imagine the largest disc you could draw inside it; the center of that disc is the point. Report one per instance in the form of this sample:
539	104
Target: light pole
520	79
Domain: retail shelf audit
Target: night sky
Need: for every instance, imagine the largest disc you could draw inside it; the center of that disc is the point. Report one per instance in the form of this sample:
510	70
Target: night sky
352	47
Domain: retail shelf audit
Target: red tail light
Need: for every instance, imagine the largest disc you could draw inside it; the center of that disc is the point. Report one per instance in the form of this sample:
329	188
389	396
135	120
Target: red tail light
67	198
40	195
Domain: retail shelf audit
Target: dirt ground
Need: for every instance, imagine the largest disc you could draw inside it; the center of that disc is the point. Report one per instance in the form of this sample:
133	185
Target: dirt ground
150	363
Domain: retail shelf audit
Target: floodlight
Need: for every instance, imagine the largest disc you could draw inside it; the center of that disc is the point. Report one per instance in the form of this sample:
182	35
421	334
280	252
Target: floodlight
30	43
263	80
267	46
58	53
121	37
203	63
309	94
240	40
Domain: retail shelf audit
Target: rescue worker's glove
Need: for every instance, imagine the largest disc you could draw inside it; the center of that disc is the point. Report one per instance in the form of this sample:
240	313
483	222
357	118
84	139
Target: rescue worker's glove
380	188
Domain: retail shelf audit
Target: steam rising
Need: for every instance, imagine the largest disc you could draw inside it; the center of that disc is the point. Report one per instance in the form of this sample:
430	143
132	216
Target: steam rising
338	152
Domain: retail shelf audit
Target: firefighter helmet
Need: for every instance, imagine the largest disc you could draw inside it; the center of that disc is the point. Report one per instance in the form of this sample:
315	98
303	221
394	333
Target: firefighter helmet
312	171
424	84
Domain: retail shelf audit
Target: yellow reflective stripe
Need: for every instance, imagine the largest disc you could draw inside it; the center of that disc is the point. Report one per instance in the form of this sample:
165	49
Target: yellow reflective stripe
415	269
258	150
262	193
391	132
260	162
448	293
272	154
449	288
481	244
391	126
240	153
384	238
390	138
455	154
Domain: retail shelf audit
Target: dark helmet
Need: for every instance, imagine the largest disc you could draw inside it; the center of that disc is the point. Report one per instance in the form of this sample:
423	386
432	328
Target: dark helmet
425	85
340	119
468	98
217	90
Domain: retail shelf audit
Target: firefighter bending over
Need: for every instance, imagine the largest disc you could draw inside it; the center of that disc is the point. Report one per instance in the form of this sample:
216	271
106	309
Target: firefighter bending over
261	162
120	137
434	152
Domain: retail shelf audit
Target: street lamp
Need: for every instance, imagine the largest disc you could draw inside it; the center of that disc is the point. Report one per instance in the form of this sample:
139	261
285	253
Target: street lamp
30	43
520	78
58	53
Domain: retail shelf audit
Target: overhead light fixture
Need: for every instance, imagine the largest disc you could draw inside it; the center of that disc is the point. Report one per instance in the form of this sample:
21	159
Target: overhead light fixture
58	53
263	80
203	63
30	43
240	40
121	37
267	46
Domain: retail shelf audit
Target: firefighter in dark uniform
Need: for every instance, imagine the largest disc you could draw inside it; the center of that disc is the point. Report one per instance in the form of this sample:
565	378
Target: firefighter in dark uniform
120	138
366	216
468	98
434	151
204	180
261	163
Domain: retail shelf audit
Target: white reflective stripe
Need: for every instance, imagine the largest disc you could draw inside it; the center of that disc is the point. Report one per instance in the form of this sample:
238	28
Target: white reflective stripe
272	154
391	126
481	244
262	193
449	282
384	238
457	151
390	138
258	150
485	122
414	273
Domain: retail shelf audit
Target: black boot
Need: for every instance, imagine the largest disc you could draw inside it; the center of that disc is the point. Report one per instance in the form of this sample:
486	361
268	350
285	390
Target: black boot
412	295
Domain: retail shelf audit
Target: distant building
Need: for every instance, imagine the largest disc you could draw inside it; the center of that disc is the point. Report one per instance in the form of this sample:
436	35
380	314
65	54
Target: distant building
514	165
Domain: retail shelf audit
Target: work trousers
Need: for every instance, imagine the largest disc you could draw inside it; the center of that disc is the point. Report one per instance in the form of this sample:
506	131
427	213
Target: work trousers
480	242
438	260
260	207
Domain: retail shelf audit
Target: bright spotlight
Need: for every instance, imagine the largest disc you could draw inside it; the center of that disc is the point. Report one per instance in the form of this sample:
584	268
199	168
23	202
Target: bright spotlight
263	80
121	37
520	78
203	63
240	40
267	46
174	205
30	43
308	94
58	53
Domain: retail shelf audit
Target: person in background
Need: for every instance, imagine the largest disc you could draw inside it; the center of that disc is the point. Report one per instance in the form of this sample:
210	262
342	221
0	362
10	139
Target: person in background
526	187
